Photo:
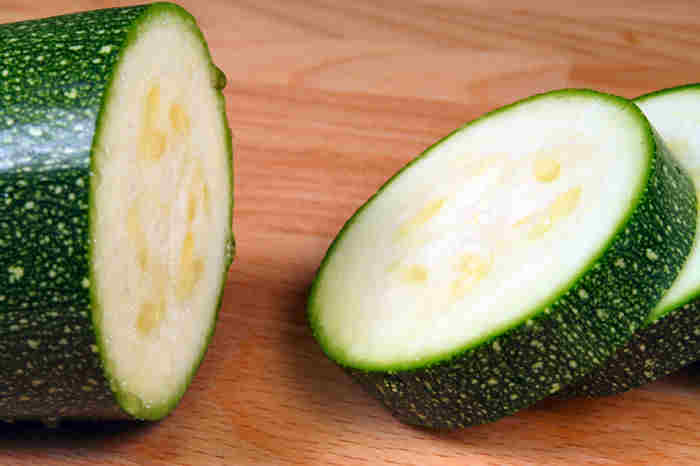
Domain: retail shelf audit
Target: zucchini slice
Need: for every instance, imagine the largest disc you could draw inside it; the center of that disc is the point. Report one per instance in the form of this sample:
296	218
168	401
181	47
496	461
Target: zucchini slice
510	259
670	337
115	212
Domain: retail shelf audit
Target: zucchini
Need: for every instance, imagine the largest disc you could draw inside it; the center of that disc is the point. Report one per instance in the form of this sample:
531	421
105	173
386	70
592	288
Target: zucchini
507	261
115	212
670	336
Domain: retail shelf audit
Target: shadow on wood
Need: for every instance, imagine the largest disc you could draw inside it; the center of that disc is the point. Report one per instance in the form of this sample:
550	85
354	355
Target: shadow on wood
68	435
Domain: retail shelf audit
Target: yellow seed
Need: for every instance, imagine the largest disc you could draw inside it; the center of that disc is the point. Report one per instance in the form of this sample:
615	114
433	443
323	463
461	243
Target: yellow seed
142	258
414	274
472	269
159	277
474	265
152	312
152	106
179	119
205	199
133	223
523	221
197	173
428	212
191	269
187	248
197	270
198	184
152	144
540	227
562	206
189	277
205	189
137	237
191	207
153	141
565	203
150	316
546	169
460	288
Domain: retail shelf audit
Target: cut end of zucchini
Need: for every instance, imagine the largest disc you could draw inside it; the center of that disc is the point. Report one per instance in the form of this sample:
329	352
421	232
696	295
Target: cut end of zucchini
512	221
161	160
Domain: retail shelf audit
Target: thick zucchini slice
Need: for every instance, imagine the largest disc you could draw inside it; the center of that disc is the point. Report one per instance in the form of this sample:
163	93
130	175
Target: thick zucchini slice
509	260
670	337
115	212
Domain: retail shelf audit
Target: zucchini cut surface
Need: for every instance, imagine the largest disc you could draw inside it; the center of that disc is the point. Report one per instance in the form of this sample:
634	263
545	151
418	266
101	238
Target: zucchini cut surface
506	261
480	232
161	168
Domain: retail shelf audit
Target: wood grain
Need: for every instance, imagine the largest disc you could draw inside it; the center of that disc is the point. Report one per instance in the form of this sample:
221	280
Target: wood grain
327	99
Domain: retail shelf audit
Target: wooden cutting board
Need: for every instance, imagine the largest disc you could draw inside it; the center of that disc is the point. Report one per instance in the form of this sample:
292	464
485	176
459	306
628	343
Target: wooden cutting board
327	100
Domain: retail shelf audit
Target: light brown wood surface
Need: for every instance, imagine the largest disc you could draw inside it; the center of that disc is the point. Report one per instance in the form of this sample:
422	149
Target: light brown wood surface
327	99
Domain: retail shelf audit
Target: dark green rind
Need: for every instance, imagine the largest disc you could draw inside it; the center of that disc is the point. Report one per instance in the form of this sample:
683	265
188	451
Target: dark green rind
573	335
655	351
49	362
54	74
659	348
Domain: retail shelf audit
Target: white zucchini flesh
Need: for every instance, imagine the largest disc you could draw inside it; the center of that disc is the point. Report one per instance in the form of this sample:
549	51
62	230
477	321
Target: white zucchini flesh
160	165
490	225
675	118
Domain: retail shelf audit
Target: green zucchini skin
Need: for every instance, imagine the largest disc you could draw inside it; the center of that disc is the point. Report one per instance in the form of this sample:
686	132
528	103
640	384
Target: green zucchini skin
659	348
50	96
570	337
655	351
54	74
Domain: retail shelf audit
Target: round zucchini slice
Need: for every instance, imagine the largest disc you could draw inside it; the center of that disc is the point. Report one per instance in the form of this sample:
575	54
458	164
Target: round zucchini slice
507	261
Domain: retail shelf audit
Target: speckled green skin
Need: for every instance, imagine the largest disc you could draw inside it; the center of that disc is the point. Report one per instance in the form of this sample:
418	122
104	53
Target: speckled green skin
574	334
54	74
660	347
